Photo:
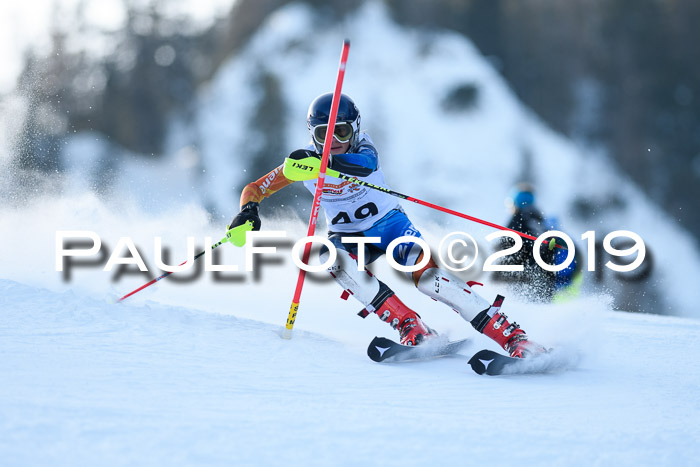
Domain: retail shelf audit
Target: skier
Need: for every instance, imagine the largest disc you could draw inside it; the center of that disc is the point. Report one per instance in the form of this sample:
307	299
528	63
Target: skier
526	217
359	211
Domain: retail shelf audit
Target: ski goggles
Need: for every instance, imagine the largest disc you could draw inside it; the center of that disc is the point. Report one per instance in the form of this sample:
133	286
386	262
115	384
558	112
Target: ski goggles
342	132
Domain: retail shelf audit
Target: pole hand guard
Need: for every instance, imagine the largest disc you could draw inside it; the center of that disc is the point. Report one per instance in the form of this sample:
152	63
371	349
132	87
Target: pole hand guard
299	170
237	235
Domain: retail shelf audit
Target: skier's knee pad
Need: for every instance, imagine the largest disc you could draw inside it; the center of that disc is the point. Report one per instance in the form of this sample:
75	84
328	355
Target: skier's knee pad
360	284
453	292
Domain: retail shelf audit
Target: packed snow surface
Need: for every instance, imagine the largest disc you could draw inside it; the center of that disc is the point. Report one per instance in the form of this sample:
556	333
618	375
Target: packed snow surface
92	383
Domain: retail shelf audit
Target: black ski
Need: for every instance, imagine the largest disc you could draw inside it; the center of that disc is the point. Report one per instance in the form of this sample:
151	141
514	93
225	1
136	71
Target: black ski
382	349
490	362
493	363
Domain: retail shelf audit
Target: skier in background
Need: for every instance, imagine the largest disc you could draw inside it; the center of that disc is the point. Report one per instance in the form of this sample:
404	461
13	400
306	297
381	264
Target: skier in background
537	283
356	210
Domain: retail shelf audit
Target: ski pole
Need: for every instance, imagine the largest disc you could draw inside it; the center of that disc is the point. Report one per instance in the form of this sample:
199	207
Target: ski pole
235	236
316	206
336	174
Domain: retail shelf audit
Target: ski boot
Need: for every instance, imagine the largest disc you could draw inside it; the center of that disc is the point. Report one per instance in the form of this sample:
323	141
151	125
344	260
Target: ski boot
412	329
495	325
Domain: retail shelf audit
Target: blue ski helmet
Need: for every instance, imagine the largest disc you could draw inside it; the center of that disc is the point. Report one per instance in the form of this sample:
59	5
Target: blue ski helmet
347	122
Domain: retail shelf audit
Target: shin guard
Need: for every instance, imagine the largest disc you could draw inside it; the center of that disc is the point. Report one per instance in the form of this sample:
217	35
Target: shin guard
444	287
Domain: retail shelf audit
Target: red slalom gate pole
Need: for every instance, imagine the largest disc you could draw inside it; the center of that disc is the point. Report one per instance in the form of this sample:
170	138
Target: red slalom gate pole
316	206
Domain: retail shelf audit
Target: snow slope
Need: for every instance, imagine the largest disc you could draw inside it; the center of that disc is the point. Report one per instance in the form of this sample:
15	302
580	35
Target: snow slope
91	383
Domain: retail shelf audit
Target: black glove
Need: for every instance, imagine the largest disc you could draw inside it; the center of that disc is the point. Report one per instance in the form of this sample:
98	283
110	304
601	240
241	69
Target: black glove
249	212
300	154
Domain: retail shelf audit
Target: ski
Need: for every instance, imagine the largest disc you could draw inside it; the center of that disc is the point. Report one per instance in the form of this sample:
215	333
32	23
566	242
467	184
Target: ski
493	363
382	349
